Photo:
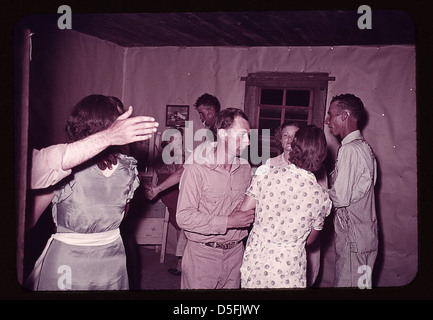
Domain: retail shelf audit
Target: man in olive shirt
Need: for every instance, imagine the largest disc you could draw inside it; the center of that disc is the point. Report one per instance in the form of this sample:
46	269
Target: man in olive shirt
209	194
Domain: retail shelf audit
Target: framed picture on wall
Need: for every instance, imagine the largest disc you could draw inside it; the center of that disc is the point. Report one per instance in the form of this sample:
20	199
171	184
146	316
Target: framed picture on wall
176	115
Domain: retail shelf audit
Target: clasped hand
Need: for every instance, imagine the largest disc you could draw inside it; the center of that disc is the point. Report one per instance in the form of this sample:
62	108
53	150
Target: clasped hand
149	191
240	219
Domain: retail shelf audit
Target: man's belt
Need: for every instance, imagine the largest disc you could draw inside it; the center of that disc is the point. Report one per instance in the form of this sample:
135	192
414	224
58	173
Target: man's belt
224	246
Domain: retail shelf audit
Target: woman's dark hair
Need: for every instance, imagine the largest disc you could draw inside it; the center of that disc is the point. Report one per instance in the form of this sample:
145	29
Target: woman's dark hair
118	103
92	114
279	130
309	148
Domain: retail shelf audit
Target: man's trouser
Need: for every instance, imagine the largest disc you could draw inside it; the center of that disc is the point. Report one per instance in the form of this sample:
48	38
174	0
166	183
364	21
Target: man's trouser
206	267
356	250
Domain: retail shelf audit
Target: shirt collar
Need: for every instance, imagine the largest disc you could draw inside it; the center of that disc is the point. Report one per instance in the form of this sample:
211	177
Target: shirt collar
354	135
211	163
235	165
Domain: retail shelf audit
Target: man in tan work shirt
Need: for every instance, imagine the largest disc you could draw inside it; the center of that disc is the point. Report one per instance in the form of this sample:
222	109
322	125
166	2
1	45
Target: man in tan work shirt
209	193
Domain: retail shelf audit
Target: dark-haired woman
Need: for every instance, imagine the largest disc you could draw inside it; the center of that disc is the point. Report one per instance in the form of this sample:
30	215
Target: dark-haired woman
87	252
290	210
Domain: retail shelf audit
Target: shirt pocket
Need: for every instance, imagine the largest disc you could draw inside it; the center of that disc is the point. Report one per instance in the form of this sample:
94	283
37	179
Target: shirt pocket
214	203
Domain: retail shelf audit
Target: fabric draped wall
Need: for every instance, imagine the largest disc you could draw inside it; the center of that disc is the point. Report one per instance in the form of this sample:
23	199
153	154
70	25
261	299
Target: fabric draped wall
67	65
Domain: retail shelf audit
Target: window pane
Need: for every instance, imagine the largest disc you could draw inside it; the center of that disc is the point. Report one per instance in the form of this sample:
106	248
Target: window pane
269	112
296	115
298	98
268	124
271	96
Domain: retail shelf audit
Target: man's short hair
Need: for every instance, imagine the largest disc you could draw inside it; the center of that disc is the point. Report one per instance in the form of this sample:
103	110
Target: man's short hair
352	103
227	116
208	100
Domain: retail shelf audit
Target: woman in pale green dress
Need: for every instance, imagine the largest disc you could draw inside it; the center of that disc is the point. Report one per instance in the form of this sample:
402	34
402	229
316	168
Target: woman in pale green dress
87	251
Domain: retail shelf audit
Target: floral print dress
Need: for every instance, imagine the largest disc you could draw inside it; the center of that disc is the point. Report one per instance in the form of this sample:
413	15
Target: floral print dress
289	203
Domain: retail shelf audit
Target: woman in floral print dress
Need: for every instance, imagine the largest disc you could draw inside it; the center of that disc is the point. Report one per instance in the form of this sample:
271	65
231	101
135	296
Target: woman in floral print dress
290	210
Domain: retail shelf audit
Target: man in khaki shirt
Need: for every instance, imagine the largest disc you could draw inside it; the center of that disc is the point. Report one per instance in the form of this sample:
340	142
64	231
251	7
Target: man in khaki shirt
352	194
209	194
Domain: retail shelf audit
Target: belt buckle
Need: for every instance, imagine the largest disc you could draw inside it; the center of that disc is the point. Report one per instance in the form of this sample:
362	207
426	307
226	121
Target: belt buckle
224	246
212	244
227	246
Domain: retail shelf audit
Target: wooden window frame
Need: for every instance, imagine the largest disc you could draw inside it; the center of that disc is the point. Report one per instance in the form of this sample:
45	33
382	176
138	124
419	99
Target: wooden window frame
316	82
